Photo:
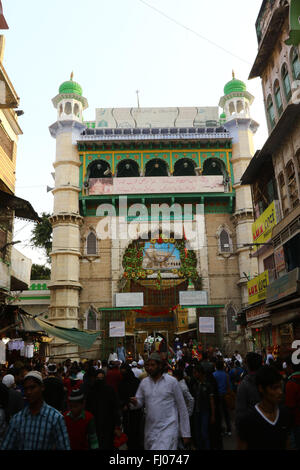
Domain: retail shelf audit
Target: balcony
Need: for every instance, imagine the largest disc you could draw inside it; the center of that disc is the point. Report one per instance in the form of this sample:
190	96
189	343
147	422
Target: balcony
20	271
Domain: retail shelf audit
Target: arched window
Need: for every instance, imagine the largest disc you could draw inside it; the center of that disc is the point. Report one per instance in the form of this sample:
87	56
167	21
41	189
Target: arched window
225	243
213	166
292	183
240	107
278	99
283	193
68	108
230	316
91	322
91	244
286	82
76	110
128	169
270	111
184	167
295	63
156	167
99	169
231	108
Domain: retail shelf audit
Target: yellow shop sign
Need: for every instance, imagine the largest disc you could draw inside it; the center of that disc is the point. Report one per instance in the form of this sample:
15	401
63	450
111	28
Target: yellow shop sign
257	288
262	227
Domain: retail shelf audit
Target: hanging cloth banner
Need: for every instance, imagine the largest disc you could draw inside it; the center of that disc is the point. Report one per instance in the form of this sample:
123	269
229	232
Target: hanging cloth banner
82	338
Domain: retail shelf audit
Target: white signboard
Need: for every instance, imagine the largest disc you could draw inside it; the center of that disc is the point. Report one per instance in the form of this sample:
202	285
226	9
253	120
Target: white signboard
116	329
206	324
130	299
196	297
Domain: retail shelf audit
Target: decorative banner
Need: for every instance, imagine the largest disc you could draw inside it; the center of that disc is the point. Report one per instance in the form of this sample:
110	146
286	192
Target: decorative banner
116	329
263	226
152	185
257	288
206	324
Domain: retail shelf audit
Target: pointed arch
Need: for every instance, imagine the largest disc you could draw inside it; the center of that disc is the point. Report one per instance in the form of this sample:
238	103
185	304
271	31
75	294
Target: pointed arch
224	236
231	314
91	320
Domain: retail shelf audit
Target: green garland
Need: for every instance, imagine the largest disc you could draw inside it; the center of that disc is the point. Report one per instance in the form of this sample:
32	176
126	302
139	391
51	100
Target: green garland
133	261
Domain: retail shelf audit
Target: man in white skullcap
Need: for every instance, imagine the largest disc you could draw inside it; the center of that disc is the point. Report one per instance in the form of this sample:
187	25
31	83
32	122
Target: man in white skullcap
166	412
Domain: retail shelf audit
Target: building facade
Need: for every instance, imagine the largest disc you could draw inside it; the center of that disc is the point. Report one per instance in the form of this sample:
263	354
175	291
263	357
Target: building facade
118	181
273	315
15	268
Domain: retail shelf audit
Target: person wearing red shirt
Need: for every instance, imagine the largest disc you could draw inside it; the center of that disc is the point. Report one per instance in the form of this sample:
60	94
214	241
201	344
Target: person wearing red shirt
114	376
80	424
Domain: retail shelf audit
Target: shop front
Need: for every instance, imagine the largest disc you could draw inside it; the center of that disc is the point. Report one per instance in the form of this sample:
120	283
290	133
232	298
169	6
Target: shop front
283	304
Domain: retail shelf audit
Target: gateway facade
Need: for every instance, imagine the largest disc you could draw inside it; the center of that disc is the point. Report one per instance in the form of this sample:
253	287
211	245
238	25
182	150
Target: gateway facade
118	181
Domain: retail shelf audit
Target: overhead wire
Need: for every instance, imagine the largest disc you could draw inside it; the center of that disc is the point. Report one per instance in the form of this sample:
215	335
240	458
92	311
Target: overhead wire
187	28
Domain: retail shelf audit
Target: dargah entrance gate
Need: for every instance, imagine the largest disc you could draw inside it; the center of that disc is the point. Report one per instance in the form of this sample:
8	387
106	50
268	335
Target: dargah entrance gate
112	260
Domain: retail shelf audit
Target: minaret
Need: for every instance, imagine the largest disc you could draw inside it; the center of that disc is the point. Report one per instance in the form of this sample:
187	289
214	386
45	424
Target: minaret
236	119
66	221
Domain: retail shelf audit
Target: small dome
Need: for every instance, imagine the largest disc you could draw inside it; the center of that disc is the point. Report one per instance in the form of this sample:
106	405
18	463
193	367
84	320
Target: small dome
234	85
223	116
70	87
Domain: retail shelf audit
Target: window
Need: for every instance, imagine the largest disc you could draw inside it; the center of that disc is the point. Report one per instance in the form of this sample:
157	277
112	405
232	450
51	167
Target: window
91	244
292	184
91	320
269	265
286	82
295	64
225	242
231	324
68	108
270	111
283	194
278	99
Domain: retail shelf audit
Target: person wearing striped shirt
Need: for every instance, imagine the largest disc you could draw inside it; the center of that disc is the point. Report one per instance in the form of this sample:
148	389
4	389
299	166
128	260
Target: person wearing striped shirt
38	426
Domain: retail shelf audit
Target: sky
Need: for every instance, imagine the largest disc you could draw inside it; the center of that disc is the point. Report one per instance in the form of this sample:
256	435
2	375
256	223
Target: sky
180	56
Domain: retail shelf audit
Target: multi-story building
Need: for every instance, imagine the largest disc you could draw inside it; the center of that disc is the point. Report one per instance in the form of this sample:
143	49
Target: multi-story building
273	315
15	268
118	169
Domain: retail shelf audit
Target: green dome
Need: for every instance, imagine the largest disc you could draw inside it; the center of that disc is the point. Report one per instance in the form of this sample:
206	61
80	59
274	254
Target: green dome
70	87
223	116
234	86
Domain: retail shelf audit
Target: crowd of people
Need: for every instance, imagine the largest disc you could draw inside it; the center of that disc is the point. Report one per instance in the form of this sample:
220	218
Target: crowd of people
190	398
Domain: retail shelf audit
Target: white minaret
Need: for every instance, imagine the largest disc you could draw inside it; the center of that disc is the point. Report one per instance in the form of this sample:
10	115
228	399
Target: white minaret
66	221
236	119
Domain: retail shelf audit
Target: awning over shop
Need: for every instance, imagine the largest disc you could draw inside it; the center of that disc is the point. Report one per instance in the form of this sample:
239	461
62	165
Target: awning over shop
85	339
22	208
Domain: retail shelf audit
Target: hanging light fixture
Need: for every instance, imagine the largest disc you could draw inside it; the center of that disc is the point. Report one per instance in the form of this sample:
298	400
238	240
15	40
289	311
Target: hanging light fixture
5	340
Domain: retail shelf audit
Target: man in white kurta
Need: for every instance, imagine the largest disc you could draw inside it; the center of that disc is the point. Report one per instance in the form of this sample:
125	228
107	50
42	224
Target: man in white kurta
166	412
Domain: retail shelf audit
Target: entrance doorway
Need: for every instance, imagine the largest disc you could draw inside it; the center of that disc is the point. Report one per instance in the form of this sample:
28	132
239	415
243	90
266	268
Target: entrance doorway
148	341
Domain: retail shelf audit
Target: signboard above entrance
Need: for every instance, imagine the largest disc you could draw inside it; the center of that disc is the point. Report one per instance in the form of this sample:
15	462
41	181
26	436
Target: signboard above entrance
130	299
197	297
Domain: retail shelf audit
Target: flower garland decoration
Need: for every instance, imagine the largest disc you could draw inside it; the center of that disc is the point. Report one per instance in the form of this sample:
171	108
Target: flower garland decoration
133	261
